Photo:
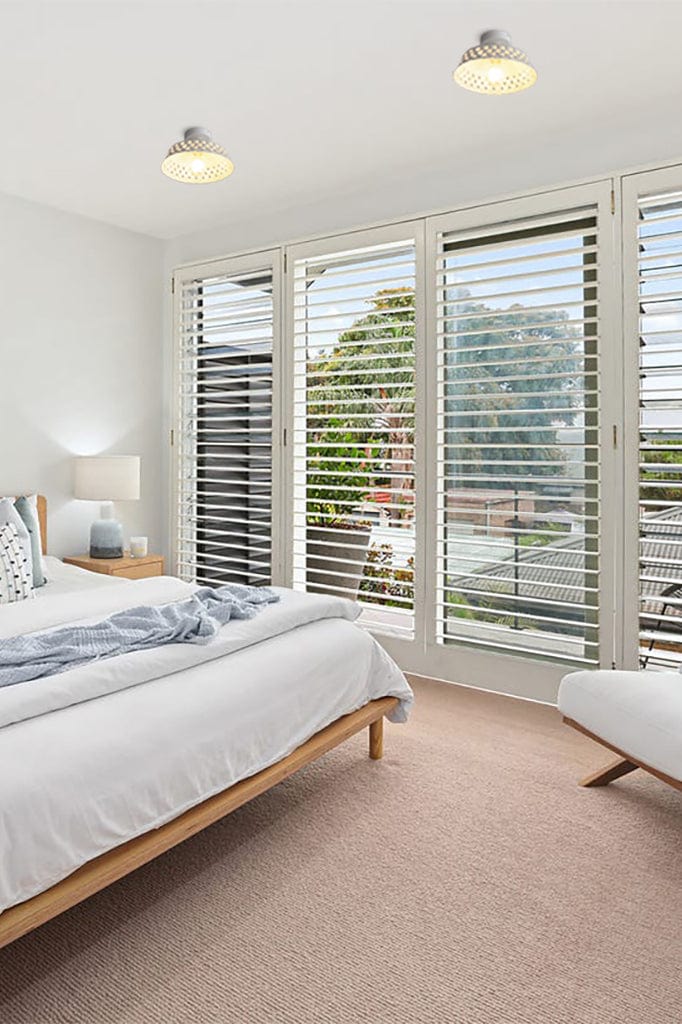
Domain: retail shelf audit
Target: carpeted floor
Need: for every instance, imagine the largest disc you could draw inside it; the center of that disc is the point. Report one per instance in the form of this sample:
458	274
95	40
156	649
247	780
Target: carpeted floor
464	879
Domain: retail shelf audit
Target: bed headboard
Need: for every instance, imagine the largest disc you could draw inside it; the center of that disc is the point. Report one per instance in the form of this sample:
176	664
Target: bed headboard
42	517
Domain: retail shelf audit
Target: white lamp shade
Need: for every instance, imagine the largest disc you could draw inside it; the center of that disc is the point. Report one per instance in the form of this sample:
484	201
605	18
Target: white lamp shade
107	478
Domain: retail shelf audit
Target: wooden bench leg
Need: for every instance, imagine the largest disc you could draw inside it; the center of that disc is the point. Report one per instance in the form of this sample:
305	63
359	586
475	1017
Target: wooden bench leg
609	773
376	739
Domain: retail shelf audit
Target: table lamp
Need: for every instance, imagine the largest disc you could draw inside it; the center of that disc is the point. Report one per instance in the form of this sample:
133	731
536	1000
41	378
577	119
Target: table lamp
107	478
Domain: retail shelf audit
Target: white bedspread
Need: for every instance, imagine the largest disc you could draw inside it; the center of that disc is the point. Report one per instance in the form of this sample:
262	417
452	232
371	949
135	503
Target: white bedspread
105	752
66	579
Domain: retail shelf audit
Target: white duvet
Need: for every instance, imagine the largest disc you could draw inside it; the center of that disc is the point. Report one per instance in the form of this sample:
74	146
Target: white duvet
97	755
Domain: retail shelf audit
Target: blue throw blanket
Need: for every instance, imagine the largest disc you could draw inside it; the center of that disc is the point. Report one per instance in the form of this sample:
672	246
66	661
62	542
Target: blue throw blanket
195	621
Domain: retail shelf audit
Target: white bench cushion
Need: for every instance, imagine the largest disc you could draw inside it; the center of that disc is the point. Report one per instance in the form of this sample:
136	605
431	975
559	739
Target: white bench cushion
640	713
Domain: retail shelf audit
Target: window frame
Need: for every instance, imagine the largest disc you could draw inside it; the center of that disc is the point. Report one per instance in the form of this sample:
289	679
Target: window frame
634	187
266	260
525	675
400	648
615	199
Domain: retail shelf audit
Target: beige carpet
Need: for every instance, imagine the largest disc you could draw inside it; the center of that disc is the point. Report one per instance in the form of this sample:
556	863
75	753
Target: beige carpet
463	879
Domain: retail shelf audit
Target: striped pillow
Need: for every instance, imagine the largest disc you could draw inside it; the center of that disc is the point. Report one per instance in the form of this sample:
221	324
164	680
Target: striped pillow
15	570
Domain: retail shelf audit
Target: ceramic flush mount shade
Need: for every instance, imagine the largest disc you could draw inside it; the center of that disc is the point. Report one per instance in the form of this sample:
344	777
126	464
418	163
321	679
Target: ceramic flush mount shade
495	66
197	159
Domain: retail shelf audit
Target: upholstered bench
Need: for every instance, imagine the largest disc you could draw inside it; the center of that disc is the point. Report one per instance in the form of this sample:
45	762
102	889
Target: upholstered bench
638	715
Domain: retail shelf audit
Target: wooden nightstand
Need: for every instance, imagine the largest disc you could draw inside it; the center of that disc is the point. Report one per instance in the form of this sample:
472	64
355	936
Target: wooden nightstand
131	568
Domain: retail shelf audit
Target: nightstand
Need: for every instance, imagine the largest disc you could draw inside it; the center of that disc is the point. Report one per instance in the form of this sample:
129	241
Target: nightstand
130	568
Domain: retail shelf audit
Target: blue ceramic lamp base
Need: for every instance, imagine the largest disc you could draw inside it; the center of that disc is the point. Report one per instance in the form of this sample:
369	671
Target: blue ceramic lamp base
106	536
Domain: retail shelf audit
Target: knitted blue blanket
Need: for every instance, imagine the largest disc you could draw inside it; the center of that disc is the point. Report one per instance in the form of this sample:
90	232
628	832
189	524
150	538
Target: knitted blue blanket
194	620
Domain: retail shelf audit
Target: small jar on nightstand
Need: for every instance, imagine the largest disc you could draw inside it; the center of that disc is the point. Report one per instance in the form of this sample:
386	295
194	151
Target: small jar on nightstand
129	568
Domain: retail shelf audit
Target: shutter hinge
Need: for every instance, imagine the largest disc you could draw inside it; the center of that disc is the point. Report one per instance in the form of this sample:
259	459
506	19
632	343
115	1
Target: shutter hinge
613	664
615	435
172	437
613	200
286	261
284	437
172	286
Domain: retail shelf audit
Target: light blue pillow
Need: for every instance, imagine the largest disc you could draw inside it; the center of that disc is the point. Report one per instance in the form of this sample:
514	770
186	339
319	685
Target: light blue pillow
30	521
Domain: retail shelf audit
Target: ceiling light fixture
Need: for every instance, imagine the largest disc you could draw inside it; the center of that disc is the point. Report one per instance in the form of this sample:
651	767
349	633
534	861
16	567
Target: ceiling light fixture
197	159
495	66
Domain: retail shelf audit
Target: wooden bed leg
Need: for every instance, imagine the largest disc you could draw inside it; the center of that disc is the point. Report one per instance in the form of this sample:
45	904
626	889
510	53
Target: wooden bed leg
609	773
376	739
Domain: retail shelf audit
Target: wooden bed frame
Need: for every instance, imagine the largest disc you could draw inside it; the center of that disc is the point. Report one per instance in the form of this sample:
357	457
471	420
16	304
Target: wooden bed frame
623	765
42	517
97	874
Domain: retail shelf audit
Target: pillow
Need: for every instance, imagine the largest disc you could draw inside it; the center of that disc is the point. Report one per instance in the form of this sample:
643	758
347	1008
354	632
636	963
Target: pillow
29	517
15	568
8	514
32	500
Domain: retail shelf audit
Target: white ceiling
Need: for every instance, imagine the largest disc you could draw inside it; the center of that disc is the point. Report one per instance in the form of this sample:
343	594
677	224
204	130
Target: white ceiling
310	99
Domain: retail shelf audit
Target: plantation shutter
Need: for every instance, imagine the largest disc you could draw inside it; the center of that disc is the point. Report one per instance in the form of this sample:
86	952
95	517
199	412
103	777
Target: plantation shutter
518	492
660	430
224	434
354	407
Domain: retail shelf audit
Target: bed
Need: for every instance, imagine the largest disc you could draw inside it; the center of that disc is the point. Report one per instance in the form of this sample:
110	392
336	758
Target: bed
124	758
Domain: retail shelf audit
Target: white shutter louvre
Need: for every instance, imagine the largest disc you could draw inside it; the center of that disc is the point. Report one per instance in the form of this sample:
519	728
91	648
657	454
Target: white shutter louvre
518	399
224	461
354	408
660	431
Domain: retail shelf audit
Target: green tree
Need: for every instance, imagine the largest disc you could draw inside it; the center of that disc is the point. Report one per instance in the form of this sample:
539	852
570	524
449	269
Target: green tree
487	364
671	458
481	370
381	418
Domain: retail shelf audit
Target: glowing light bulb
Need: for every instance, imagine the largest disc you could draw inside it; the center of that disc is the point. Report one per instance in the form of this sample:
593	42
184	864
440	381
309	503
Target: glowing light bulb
198	165
495	73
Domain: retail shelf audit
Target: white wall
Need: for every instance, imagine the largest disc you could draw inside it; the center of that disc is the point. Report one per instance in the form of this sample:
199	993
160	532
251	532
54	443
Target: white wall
80	362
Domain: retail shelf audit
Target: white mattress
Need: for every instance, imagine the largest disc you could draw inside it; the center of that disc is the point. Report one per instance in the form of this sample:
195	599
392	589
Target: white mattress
639	713
95	774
